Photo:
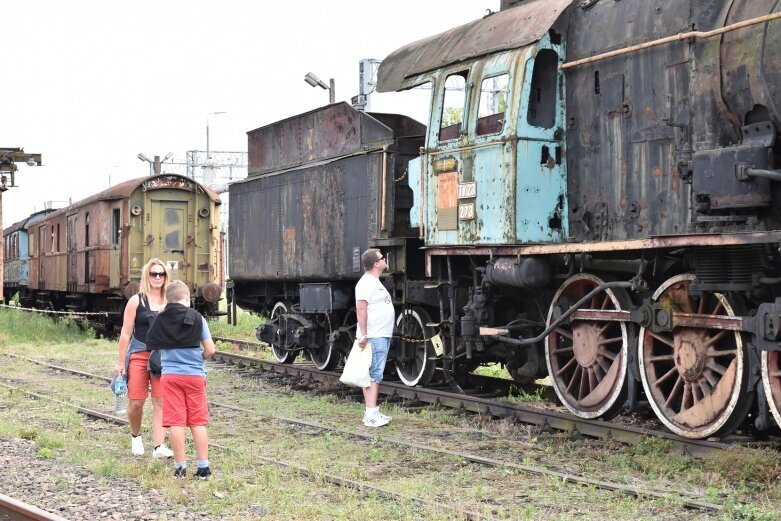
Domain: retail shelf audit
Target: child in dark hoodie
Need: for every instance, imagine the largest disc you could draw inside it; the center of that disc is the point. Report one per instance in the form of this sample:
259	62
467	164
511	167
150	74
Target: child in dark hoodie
183	338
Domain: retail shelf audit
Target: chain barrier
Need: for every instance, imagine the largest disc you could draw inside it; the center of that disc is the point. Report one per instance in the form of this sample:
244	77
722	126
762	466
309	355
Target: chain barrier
402	176
53	312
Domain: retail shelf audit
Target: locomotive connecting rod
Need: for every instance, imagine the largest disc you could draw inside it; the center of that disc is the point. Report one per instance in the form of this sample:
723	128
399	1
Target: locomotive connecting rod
564	316
673	38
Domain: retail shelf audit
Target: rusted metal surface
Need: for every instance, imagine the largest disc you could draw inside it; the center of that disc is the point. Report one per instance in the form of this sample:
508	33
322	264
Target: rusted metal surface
497	32
334	131
696	378
323	186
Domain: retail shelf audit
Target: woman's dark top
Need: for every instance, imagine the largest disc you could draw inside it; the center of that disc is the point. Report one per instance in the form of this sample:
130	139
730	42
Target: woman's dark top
144	318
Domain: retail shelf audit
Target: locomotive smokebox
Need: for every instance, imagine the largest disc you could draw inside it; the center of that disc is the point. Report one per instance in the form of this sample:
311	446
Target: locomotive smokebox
524	272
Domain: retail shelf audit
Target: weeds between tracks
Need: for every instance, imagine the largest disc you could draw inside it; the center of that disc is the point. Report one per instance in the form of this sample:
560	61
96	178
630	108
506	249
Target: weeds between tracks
743	480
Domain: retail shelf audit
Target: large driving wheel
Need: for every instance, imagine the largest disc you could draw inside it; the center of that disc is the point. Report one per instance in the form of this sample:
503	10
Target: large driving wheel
587	359
771	380
411	327
696	378
325	356
282	355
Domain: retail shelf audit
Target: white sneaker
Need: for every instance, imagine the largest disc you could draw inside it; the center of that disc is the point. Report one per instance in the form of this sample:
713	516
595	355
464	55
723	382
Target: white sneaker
375	420
162	452
384	416
138	446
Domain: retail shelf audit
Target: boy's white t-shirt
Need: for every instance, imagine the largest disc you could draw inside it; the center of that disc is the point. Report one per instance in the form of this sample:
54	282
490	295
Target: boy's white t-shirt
381	315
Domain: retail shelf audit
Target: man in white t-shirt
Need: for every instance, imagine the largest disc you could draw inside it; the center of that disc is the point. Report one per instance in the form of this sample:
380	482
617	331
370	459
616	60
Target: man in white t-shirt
376	319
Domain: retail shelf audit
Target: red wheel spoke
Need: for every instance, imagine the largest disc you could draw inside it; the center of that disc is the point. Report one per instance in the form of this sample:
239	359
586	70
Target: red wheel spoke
719	307
664	340
592	379
583	390
715	367
606	301
665	376
603	364
711	378
705	388
701	307
674	393
608	341
718	353
575	379
715	338
566	366
563	350
564	332
660	358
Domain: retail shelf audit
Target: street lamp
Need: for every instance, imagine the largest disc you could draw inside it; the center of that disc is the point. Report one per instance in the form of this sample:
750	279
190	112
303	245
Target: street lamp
314	81
208	154
155	165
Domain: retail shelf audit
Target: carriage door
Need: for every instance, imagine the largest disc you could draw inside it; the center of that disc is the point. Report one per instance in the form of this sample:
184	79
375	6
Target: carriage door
170	232
73	256
41	250
541	189
116	245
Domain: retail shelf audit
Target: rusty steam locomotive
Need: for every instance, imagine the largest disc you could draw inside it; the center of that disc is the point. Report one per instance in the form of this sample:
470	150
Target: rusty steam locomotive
594	198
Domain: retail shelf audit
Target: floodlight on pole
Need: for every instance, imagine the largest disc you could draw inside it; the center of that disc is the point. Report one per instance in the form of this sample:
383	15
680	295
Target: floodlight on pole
208	153
155	165
312	79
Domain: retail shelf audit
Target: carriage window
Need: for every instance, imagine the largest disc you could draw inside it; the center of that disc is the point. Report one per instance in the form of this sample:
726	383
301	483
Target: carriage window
493	103
86	229
173	236
54	241
115	226
542	96
453	106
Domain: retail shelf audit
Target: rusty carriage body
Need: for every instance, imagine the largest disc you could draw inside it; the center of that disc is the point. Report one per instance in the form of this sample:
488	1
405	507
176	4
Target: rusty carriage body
597	195
88	256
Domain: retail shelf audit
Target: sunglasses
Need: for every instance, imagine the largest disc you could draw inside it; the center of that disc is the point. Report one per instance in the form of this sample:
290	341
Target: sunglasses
157	274
381	258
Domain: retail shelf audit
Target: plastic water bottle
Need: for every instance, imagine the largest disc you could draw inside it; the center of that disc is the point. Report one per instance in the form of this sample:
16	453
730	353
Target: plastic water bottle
120	396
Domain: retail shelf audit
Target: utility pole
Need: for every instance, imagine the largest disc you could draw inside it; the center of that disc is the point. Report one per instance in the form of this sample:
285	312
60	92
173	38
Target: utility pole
8	159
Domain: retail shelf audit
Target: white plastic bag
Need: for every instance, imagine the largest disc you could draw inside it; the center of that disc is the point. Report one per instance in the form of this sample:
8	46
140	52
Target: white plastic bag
356	367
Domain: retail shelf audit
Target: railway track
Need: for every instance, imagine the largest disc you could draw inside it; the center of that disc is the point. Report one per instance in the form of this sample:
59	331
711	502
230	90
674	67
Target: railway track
544	419
14	510
623	488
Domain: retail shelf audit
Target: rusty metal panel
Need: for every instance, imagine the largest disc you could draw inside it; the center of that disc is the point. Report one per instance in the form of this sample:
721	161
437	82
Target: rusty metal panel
625	116
304	224
322	134
505	30
751	64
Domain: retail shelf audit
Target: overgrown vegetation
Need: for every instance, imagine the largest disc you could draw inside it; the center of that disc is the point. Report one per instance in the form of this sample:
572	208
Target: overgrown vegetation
246	486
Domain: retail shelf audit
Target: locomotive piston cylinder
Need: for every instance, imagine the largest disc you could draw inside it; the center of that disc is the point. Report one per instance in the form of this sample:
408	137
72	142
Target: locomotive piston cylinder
524	272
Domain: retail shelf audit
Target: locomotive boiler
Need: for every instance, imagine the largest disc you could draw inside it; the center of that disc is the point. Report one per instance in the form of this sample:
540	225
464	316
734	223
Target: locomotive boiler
88	256
597	195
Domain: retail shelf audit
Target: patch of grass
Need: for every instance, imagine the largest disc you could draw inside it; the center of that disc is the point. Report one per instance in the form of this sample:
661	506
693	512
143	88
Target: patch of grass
22	326
45	453
246	324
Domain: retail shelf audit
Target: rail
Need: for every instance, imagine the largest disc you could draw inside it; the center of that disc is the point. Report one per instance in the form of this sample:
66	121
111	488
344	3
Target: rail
15	510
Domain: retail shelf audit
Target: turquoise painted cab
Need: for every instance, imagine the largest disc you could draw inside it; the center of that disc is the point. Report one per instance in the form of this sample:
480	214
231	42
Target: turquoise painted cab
494	166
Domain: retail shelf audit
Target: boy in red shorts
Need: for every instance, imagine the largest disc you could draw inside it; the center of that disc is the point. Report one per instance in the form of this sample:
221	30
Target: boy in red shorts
179	332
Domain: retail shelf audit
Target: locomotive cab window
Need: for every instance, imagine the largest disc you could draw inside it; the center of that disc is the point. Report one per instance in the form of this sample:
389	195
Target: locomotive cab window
453	106
493	103
542	95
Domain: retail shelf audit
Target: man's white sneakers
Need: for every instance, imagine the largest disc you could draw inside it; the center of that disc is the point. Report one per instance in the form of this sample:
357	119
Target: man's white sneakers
376	420
138	446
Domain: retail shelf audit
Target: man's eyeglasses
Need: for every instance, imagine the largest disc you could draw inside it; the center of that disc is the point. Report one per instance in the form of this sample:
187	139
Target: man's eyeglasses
157	274
381	258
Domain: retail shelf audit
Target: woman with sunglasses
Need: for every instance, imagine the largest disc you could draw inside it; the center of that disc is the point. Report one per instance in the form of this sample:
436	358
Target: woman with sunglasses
133	359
